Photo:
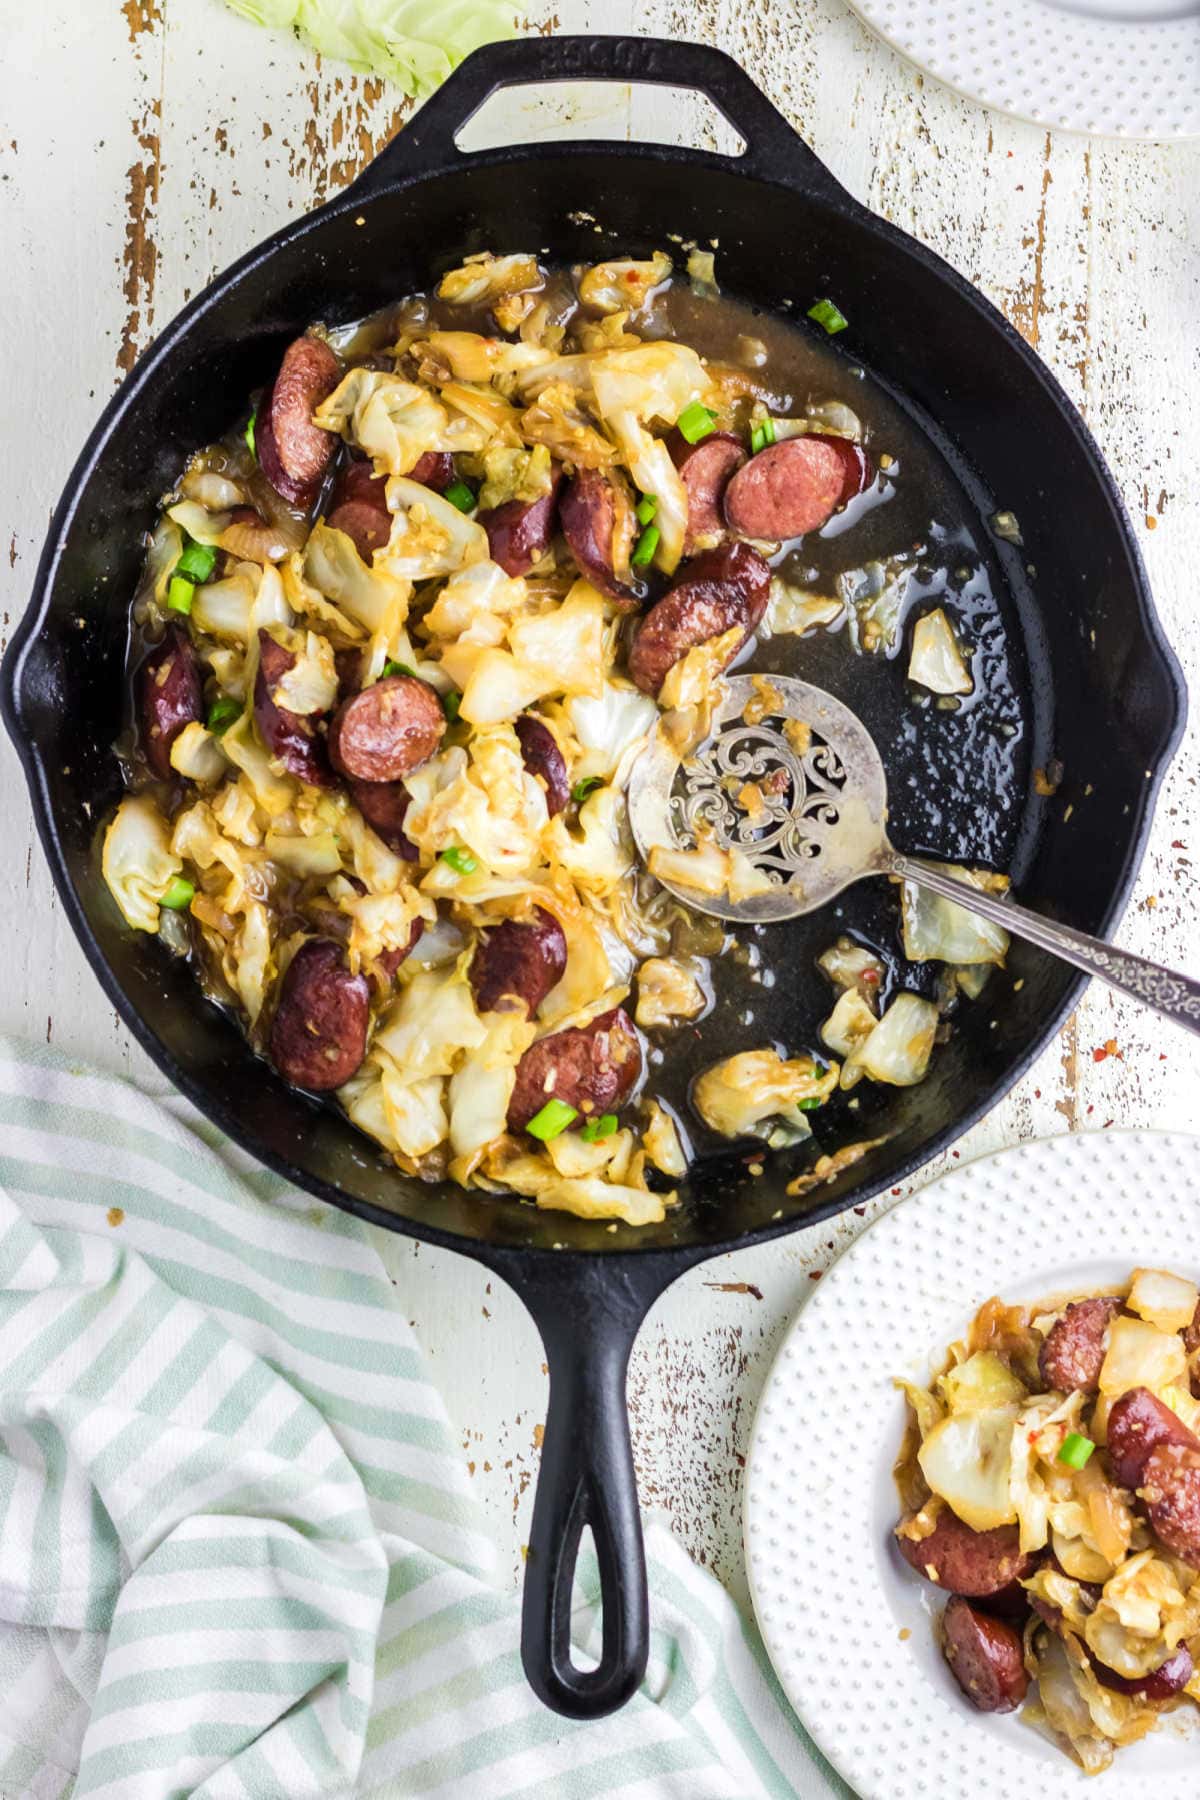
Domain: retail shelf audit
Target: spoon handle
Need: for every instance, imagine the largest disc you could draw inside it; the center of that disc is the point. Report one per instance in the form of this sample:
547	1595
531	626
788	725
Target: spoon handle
1176	997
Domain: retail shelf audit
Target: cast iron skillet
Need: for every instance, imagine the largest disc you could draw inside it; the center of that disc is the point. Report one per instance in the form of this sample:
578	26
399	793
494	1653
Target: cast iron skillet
1106	693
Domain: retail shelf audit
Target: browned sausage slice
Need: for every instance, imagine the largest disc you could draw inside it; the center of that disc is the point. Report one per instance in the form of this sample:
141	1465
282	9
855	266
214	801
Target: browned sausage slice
383	804
857	473
985	1657
787	490
518	963
519	532
1137	1424
1073	1352
291	737
1170	1486
706	470
434	470
543	758
722	588
600	525
591	1067
387	730
293	452
319	1032
171	697
1169	1678
367	528
963	1561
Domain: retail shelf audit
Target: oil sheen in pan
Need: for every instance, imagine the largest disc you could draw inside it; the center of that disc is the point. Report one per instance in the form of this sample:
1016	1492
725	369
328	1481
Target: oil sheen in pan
957	778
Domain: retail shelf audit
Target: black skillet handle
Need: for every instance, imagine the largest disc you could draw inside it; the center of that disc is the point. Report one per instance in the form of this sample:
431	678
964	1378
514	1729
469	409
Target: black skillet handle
588	1312
427	145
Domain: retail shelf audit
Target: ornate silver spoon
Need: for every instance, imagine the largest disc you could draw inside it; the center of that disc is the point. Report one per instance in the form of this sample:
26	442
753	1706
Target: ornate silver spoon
819	823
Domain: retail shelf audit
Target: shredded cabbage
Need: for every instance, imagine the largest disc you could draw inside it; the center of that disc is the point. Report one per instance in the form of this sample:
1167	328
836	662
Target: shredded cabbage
735	1096
138	862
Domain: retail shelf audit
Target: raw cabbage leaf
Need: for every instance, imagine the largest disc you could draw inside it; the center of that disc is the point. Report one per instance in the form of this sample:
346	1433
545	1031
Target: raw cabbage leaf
410	42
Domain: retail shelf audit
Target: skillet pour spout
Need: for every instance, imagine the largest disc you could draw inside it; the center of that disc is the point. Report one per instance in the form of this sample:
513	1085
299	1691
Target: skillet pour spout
1108	702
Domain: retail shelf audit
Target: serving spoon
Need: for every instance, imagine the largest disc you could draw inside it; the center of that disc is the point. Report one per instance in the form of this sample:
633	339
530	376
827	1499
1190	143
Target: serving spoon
820	823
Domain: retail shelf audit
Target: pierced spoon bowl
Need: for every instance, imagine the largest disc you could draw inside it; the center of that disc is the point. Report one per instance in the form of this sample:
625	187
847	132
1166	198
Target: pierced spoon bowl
789	779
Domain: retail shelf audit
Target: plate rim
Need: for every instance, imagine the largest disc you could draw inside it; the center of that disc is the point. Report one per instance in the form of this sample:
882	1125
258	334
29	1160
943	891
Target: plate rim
907	1210
926	57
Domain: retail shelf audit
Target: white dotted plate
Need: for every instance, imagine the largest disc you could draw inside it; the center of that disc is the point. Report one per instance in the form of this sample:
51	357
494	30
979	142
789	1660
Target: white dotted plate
830	1591
1115	68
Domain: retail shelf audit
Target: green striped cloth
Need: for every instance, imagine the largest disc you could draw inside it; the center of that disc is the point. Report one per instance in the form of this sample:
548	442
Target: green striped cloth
238	1552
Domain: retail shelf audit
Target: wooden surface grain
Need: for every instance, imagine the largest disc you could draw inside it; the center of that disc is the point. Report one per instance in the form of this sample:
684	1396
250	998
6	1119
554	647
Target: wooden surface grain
145	145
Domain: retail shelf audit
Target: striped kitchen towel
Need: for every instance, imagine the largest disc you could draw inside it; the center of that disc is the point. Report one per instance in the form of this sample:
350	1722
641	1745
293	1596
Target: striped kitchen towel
238	1551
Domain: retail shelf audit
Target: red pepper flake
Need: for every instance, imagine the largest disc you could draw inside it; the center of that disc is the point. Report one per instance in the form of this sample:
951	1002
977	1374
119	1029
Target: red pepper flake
870	977
814	1274
1110	1048
860	1210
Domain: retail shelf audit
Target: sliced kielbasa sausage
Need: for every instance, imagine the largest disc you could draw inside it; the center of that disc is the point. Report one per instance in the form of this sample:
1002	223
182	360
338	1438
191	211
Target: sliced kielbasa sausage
387	730
171	697
319	1032
293	452
1170	1486
1073	1352
1169	1677
590	1067
291	737
857	473
720	589
963	1561
985	1657
519	532
600	525
706	470
359	507
383	804
518	963
787	490
434	470
367	528
544	759
1138	1423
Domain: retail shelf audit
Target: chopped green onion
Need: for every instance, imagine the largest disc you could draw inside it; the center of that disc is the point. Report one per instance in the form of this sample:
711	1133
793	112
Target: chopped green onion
197	562
450	704
460	495
810	1105
180	594
249	434
395	668
762	435
646	508
582	789
222	713
830	316
460	860
554	1118
647	544
181	893
603	1127
695	422
1076	1450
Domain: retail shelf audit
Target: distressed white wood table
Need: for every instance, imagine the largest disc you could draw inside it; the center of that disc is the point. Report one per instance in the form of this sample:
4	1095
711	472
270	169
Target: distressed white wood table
144	145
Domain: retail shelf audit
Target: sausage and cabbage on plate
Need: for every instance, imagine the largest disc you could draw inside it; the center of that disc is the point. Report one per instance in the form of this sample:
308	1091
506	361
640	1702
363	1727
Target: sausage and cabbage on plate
400	637
1051	1485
